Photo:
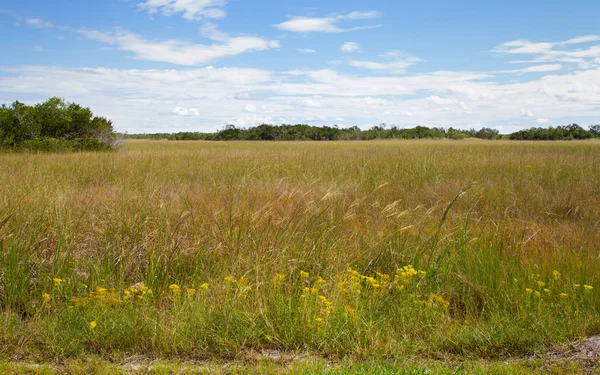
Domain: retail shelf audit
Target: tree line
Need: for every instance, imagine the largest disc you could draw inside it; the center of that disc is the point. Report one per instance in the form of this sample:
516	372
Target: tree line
298	132
54	125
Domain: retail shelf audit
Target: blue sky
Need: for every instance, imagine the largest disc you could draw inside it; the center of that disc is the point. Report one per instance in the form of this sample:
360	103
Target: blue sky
180	65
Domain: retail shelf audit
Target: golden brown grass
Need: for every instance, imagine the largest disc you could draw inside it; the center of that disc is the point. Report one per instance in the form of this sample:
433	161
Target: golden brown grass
484	220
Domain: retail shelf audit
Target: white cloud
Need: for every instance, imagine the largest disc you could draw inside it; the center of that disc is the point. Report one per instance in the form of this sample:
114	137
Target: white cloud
543	121
180	52
393	66
250	108
191	9
311	103
554	51
242	96
305	50
38	22
37	49
205	99
180	111
525	113
350	47
328	24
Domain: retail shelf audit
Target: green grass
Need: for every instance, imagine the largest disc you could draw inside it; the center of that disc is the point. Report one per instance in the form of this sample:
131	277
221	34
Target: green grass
485	223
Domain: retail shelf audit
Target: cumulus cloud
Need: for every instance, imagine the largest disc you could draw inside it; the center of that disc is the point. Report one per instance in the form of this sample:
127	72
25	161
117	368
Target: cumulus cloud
180	52
329	24
205	99
350	47
192	10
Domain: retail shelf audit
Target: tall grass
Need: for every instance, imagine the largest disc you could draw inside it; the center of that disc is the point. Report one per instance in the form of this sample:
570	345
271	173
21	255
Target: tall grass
206	250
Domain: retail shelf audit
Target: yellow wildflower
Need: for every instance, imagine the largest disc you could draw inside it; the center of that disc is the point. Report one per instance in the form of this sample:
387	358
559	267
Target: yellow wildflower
230	279
46	297
528	290
93	324
304	274
175	289
190	292
537	294
555	274
588	288
318	319
243	280
576	285
278	279
541	284
57	281
204	286
547	290
563	295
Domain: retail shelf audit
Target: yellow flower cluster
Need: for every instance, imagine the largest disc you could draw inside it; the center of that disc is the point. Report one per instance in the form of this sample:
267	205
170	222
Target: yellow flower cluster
104	297
545	288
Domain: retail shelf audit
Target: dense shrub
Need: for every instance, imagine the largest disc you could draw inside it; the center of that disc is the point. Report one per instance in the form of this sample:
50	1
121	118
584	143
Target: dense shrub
54	126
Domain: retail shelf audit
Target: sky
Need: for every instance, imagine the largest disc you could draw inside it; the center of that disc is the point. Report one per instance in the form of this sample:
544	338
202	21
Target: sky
197	65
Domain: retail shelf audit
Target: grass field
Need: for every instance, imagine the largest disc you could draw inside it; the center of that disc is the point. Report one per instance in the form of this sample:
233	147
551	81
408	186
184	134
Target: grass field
443	251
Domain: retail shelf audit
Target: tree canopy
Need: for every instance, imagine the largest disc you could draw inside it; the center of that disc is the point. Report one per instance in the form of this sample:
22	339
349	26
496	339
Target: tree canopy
54	125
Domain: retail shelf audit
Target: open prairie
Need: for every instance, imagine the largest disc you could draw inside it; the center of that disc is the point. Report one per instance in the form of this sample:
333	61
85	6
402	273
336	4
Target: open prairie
459	250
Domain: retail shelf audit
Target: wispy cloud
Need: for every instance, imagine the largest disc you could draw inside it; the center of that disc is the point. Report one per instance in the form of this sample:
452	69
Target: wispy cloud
560	52
350	47
305	50
181	52
393	62
192	10
38	22
329	24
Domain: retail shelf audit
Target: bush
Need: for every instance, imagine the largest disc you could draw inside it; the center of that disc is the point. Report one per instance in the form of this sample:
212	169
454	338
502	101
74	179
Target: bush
54	126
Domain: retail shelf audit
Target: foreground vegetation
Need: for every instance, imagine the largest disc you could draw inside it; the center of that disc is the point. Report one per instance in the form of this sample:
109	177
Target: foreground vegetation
383	250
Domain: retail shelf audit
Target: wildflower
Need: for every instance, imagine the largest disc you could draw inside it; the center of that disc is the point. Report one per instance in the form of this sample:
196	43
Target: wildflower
190	292
350	310
243	280
528	290
93	324
439	300
46	297
555	274
318	319
547	290
588	288
57	281
304	274
204	286
576	285
319	282
230	279
537	294
175	289
100	290
278	279
515	281
541	284
563	295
